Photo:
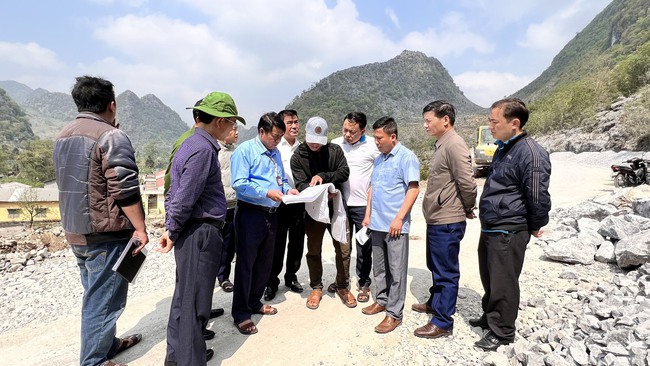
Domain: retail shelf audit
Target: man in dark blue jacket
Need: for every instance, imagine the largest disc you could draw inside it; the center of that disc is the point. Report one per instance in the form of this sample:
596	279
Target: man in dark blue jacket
514	205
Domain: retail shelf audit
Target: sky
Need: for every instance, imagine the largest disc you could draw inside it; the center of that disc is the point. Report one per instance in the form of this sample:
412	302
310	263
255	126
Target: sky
265	53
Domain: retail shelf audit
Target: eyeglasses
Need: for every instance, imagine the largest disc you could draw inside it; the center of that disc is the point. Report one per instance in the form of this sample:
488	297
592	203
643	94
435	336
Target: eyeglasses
276	137
233	121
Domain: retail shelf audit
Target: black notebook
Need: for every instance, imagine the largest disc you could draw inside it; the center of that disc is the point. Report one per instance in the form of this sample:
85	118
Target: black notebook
128	265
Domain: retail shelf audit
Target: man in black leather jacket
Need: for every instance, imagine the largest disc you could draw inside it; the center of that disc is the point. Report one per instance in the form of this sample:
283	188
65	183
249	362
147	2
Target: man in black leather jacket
514	205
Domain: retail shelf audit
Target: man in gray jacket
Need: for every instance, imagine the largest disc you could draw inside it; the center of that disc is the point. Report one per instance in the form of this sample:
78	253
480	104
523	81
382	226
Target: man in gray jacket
449	199
101	210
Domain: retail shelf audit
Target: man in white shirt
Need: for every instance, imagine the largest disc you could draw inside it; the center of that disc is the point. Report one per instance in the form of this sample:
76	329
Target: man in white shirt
291	218
360	152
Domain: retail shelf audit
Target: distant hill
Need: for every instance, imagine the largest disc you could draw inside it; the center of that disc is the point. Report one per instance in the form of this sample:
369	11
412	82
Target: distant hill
147	120
399	87
609	38
14	125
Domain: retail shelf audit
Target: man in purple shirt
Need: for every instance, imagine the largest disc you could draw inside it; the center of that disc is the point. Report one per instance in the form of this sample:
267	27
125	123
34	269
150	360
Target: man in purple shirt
196	209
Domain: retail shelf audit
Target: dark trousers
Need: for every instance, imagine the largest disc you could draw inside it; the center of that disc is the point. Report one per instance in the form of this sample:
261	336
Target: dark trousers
443	246
197	252
255	240
291	218
364	252
500	260
229	244
315	231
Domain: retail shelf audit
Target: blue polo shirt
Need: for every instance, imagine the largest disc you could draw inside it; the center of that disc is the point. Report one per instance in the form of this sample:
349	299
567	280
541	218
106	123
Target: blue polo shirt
254	172
390	179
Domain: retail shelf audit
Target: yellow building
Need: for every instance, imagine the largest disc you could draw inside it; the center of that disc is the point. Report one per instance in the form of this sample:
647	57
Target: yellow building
21	203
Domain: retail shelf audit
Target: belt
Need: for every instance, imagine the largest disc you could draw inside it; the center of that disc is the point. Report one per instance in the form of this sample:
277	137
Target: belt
214	222
257	207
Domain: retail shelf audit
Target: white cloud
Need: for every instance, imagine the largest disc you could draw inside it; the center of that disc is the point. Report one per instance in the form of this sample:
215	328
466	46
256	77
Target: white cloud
129	3
393	17
455	39
261	58
552	33
28	55
486	87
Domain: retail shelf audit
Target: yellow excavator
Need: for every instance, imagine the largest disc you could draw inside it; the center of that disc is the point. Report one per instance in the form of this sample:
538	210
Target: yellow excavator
483	150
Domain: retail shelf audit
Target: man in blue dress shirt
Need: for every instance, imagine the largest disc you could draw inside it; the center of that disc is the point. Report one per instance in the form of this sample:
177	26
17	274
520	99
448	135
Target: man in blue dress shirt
196	210
394	186
259	182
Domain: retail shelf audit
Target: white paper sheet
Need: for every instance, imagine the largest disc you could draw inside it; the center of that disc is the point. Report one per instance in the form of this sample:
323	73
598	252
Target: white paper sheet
315	199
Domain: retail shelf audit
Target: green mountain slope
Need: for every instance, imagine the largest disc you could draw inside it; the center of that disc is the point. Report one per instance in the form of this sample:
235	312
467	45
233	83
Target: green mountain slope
400	88
620	29
15	129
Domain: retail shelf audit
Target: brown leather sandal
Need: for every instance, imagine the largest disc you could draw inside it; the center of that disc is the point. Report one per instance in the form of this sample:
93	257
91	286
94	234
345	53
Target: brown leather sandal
347	297
267	310
313	301
364	294
247	327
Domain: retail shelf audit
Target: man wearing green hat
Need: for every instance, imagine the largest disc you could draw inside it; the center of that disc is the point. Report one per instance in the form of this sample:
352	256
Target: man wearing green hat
195	207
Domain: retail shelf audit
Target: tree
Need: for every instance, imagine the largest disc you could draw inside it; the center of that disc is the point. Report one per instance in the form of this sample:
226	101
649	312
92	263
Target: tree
633	72
30	204
35	162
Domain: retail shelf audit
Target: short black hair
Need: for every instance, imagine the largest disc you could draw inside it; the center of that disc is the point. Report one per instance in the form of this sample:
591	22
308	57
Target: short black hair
513	108
270	119
441	108
287	113
92	94
387	124
358	118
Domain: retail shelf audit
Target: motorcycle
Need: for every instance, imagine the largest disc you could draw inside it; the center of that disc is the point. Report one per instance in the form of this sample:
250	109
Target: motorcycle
633	175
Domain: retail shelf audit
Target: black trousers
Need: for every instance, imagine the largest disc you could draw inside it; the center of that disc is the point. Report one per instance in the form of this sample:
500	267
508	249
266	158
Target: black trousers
229	245
364	252
291	219
197	252
255	241
500	260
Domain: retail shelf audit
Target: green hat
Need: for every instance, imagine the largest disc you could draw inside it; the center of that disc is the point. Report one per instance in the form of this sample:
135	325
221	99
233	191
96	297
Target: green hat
219	105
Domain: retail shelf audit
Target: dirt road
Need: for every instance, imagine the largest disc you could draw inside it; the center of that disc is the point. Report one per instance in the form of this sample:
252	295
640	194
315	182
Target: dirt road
330	335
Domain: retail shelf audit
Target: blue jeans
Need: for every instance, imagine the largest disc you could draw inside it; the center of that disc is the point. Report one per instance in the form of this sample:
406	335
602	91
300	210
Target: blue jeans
443	246
103	301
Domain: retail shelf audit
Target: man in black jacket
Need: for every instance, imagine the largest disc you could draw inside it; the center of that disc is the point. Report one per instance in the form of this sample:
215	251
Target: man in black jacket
514	205
318	162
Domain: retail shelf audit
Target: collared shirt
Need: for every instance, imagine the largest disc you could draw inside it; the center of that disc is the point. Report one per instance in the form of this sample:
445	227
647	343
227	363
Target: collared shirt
224	161
390	179
196	188
361	159
286	151
255	171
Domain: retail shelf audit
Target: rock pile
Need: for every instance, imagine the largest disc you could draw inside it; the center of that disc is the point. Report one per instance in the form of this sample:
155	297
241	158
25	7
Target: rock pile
607	134
588	323
23	248
608	325
611	229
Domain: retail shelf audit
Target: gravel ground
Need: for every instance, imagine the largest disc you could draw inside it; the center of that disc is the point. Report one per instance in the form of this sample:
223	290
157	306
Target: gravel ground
40	306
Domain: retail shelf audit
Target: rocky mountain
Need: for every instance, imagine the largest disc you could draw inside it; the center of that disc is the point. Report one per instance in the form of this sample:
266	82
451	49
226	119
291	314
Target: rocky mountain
147	120
614	34
399	87
14	125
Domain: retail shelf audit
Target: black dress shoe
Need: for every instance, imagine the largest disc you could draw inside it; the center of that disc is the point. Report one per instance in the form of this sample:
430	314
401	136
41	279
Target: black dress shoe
208	334
269	293
294	286
208	354
490	342
479	322
216	312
